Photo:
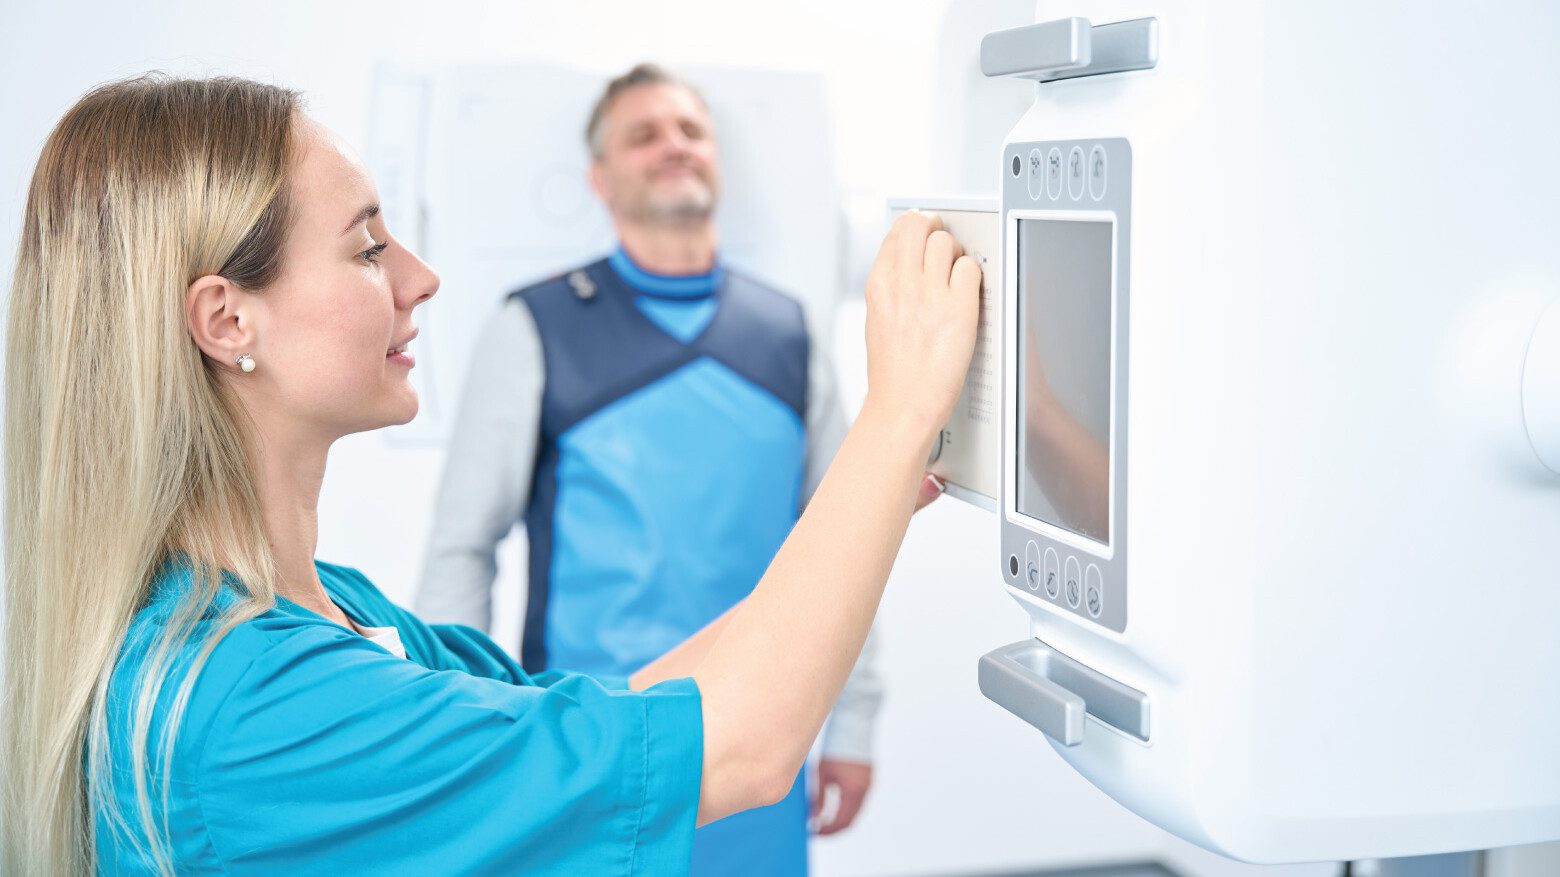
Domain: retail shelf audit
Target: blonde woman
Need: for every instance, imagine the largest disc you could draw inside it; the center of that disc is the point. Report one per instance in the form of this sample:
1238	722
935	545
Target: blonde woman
206	298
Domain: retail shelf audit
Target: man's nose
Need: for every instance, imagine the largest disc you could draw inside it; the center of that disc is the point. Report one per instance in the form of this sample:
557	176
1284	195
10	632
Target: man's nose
676	143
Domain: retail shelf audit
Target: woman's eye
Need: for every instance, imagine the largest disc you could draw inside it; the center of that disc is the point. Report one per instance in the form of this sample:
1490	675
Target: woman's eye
371	254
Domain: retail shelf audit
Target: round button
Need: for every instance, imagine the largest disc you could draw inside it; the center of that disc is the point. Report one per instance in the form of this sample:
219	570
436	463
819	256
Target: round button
1052	574
1032	565
1018	165
1036	173
1053	175
1013	565
1071	584
1094	591
1075	173
1097	173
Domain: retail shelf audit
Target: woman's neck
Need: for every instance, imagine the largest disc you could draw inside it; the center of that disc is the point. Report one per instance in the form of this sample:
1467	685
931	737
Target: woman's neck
289	473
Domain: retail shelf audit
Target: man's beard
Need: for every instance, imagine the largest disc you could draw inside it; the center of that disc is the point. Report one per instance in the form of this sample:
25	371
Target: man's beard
683	209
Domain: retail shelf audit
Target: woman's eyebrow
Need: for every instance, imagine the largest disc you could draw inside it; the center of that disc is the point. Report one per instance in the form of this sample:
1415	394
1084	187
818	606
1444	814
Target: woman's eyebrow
362	216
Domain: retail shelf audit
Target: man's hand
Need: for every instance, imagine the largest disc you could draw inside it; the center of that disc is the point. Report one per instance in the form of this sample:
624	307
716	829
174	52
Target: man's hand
846	782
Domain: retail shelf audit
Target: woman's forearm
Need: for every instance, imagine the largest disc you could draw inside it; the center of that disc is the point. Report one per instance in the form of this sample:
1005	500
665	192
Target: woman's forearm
771	676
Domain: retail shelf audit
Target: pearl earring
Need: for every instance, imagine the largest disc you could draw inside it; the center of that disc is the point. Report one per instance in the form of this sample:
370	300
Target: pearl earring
246	362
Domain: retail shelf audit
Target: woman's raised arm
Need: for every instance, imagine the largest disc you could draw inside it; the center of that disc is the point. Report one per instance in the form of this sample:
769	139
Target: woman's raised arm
772	669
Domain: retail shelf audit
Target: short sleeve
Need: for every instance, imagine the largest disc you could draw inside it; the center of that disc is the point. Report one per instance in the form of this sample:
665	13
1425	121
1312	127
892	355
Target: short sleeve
328	756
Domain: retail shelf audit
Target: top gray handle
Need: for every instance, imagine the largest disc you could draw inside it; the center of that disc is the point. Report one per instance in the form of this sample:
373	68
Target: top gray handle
1069	48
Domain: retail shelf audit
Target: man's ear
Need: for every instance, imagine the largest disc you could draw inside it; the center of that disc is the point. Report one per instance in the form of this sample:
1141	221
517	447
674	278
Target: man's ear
217	314
598	181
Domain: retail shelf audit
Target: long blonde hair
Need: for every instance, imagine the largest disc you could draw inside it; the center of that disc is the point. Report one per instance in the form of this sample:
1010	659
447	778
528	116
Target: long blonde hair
123	445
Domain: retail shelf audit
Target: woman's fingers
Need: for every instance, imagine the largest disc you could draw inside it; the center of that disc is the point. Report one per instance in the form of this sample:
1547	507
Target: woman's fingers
941	251
923	294
966	274
908	239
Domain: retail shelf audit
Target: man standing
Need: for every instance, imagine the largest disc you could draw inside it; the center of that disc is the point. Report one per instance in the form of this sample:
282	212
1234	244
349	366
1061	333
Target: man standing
657	420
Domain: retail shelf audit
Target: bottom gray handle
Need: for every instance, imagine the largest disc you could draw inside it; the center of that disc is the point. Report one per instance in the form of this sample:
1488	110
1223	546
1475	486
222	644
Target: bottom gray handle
1053	692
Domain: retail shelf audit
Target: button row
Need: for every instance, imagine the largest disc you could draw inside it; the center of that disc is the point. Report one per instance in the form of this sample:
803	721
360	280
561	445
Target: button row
1069	581
1047	172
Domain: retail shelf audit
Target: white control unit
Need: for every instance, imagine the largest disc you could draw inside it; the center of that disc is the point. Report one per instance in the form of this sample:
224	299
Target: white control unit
1277	402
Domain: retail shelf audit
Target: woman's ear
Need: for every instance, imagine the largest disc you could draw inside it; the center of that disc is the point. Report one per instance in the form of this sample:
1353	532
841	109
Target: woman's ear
218	315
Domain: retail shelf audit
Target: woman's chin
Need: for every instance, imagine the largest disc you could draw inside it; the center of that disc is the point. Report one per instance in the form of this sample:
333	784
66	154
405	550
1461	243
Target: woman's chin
400	411
395	408
408	409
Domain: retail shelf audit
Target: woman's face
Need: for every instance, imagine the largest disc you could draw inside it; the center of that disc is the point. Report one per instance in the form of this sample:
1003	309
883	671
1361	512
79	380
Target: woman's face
331	331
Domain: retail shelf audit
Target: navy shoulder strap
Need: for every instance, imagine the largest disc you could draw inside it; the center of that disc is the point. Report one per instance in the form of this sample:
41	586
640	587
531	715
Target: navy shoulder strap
761	334
596	345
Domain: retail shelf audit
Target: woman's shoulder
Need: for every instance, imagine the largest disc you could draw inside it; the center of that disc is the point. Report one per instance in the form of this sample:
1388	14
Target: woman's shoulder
202	650
225	656
179	626
231	648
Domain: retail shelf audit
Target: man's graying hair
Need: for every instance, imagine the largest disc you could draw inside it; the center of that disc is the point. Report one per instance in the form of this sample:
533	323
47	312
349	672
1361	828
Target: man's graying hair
640	74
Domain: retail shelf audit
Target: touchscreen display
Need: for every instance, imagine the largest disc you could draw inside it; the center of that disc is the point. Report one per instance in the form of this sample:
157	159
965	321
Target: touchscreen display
1064	374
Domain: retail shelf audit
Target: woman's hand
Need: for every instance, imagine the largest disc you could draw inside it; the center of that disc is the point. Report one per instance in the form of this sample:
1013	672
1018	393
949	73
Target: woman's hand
923	299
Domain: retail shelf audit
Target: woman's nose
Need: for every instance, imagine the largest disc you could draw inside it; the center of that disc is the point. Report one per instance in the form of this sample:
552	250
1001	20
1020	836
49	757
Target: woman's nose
419	282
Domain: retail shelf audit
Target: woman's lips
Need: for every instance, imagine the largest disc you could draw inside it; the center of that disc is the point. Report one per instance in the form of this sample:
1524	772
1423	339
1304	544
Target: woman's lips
399	353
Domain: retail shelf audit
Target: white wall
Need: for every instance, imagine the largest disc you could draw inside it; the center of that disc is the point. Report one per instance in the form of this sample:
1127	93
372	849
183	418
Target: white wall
874	53
962	785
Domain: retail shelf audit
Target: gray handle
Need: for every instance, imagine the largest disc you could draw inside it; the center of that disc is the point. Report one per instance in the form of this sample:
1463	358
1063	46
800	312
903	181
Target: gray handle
1053	692
1069	48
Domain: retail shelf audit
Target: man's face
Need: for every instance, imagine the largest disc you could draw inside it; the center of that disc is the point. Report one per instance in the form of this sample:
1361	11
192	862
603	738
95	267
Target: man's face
657	164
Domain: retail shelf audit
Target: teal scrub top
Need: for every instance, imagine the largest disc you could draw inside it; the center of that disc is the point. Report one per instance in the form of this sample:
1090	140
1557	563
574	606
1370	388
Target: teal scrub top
308	749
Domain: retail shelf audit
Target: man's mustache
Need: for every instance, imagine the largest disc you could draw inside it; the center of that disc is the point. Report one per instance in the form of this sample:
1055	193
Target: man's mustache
695	167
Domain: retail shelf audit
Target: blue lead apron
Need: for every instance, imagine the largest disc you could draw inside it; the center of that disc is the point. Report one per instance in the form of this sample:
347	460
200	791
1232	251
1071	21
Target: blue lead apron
669	471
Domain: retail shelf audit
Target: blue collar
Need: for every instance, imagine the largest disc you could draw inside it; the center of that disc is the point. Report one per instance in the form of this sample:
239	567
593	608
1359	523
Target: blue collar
681	286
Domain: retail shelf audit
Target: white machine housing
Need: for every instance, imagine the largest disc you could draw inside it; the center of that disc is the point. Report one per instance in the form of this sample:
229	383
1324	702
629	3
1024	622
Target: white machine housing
1339	631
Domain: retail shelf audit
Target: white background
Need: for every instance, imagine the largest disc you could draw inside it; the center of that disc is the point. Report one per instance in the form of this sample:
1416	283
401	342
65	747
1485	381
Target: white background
962	786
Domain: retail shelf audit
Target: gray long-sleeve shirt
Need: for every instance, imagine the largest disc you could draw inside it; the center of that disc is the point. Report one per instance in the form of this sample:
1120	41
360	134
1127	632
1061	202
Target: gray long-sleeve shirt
487	484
